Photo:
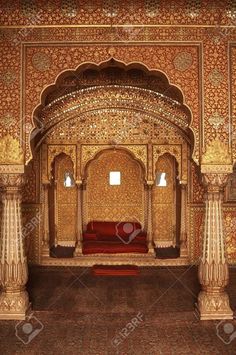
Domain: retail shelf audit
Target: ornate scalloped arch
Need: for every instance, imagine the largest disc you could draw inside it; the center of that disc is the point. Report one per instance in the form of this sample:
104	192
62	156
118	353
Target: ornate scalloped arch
37	129
100	151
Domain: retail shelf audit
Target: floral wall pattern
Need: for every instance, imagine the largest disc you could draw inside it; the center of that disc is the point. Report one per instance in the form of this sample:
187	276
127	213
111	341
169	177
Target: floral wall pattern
191	42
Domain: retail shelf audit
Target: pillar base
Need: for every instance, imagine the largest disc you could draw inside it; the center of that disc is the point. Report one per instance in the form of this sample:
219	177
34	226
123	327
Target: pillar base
78	250
151	250
45	251
14	306
213	306
183	253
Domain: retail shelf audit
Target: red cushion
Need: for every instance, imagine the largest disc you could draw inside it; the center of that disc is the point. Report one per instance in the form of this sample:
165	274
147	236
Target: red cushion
102	228
90	236
125	231
113	248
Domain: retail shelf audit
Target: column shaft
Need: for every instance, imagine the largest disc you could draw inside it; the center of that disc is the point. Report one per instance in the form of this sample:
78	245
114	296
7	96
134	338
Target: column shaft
78	248
149	220
183	231
45	242
14	301
213	301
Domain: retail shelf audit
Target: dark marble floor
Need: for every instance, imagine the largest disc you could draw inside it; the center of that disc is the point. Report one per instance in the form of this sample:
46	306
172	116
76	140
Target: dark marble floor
75	312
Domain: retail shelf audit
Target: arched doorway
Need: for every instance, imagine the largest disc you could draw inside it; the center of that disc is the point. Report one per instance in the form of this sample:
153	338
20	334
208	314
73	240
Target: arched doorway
166	203
111	107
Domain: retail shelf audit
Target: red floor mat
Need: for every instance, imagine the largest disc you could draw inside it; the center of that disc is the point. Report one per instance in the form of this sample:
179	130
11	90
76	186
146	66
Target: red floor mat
116	270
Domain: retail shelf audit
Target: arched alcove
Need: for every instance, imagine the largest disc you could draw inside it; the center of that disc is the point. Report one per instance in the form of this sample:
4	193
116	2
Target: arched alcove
112	108
166	202
119	201
62	203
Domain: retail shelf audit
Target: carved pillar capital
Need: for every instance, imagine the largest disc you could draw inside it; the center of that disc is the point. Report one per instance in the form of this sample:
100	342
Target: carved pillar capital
215	182
12	180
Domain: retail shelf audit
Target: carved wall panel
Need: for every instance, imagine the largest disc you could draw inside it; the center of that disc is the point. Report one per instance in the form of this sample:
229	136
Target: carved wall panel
229	229
97	12
164	204
151	56
196	233
230	190
10	87
231	126
197	189
64	204
31	188
115	203
32	225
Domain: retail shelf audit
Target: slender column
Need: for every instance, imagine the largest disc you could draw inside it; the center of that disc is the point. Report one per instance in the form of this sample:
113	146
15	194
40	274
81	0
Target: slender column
183	232
45	241
213	301
149	218
55	213
14	301
84	205
78	248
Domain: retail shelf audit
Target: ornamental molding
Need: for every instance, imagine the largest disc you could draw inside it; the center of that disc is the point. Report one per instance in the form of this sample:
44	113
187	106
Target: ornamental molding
216	169
12	169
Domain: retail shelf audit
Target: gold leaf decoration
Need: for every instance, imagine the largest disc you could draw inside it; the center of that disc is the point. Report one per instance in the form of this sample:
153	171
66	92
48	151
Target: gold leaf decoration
217	153
10	151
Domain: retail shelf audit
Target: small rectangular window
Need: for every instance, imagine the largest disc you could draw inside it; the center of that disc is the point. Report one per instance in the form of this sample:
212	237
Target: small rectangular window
161	179
114	178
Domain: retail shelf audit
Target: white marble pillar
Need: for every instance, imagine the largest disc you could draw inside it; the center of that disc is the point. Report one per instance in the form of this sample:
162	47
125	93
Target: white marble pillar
213	300
14	301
